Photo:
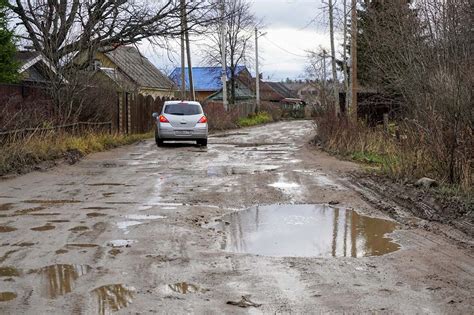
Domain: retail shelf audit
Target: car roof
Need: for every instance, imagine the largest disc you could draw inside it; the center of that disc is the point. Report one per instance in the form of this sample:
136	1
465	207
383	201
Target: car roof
179	102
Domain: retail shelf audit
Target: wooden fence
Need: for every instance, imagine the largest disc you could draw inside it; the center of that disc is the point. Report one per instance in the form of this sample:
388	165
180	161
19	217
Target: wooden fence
24	108
134	114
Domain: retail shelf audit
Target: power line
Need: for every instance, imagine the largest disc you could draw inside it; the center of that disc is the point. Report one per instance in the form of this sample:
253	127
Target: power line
283	49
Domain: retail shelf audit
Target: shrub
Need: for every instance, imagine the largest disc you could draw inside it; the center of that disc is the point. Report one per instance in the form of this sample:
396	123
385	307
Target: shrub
409	153
218	118
257	119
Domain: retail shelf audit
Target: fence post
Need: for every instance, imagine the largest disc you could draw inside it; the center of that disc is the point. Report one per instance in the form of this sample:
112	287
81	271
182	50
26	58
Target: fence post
385	122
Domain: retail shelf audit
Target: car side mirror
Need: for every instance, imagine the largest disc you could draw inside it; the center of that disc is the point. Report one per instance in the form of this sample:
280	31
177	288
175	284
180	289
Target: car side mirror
155	115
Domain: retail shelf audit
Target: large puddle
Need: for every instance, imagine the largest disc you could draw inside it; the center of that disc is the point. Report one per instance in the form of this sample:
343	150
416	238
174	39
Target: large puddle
306	231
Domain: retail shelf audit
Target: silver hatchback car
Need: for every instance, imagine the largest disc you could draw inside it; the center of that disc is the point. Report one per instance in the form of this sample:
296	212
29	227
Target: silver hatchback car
181	121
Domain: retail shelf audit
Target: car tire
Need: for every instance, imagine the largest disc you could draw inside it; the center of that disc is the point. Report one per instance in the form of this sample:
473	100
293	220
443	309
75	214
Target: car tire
202	142
159	142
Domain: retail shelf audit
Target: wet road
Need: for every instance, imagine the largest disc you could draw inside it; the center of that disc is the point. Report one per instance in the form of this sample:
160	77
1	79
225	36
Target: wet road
147	230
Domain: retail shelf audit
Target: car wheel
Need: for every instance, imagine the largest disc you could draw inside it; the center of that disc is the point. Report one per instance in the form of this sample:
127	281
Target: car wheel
159	142
202	142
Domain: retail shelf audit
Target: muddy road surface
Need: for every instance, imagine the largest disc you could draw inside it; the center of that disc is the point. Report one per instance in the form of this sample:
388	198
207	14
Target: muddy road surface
259	222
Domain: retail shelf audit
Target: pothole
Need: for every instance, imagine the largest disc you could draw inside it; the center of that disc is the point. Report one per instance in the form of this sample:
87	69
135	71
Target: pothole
113	297
183	288
9	272
7	296
306	231
47	227
120	243
59	279
6	229
227	170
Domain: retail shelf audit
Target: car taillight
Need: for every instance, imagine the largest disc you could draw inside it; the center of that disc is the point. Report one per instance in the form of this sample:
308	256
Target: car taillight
203	120
163	119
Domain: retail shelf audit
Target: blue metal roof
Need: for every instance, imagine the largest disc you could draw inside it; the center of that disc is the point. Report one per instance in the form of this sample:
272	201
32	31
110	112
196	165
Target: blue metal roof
204	78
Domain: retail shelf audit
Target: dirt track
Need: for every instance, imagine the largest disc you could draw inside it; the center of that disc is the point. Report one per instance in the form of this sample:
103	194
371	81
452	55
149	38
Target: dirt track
125	229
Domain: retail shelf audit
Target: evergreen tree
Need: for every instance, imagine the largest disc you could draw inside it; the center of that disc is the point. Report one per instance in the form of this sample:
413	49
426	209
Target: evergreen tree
8	65
378	27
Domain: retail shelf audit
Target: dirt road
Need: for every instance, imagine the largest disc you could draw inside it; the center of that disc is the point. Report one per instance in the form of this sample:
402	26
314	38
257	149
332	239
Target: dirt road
147	230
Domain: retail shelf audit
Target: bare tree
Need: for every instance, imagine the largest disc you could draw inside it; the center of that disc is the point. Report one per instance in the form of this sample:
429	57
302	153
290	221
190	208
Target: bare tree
240	24
423	54
316	70
60	27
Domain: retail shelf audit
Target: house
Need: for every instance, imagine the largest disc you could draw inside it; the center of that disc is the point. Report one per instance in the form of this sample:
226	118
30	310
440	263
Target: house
309	92
282	89
208	85
35	68
129	71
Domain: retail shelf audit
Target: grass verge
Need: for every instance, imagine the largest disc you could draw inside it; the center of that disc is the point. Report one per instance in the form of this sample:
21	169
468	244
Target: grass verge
405	157
20	156
257	119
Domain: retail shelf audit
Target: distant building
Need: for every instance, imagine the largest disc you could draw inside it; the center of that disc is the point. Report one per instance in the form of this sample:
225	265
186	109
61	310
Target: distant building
207	82
129	71
35	68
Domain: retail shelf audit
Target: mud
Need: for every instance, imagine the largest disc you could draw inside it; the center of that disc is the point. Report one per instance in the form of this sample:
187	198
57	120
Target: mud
306	231
158	231
426	204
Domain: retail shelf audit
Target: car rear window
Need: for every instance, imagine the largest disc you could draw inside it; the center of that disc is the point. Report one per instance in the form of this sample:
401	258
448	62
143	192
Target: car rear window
183	109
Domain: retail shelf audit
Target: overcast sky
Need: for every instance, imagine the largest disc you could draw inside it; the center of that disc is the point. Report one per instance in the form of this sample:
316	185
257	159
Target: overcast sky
291	27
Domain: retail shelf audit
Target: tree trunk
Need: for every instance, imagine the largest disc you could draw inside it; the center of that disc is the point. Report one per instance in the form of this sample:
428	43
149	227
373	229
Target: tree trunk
333	59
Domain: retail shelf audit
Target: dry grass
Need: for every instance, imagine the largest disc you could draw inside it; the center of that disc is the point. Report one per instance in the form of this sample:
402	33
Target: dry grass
18	155
406	154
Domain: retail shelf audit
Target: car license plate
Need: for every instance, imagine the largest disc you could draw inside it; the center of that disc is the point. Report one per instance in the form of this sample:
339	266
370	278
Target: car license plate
183	132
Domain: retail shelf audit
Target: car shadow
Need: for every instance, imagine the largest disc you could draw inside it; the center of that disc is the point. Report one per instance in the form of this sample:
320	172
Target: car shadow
171	145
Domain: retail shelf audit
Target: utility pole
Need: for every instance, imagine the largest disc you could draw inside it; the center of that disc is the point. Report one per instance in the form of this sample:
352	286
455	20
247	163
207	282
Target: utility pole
354	59
333	59
183	76
223	57
257	74
188	53
344	63
323	60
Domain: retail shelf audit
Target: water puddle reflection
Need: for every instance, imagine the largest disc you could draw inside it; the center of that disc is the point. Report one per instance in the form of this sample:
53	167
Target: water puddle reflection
9	272
47	227
113	297
59	279
120	243
183	288
6	229
6	206
306	231
125	225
